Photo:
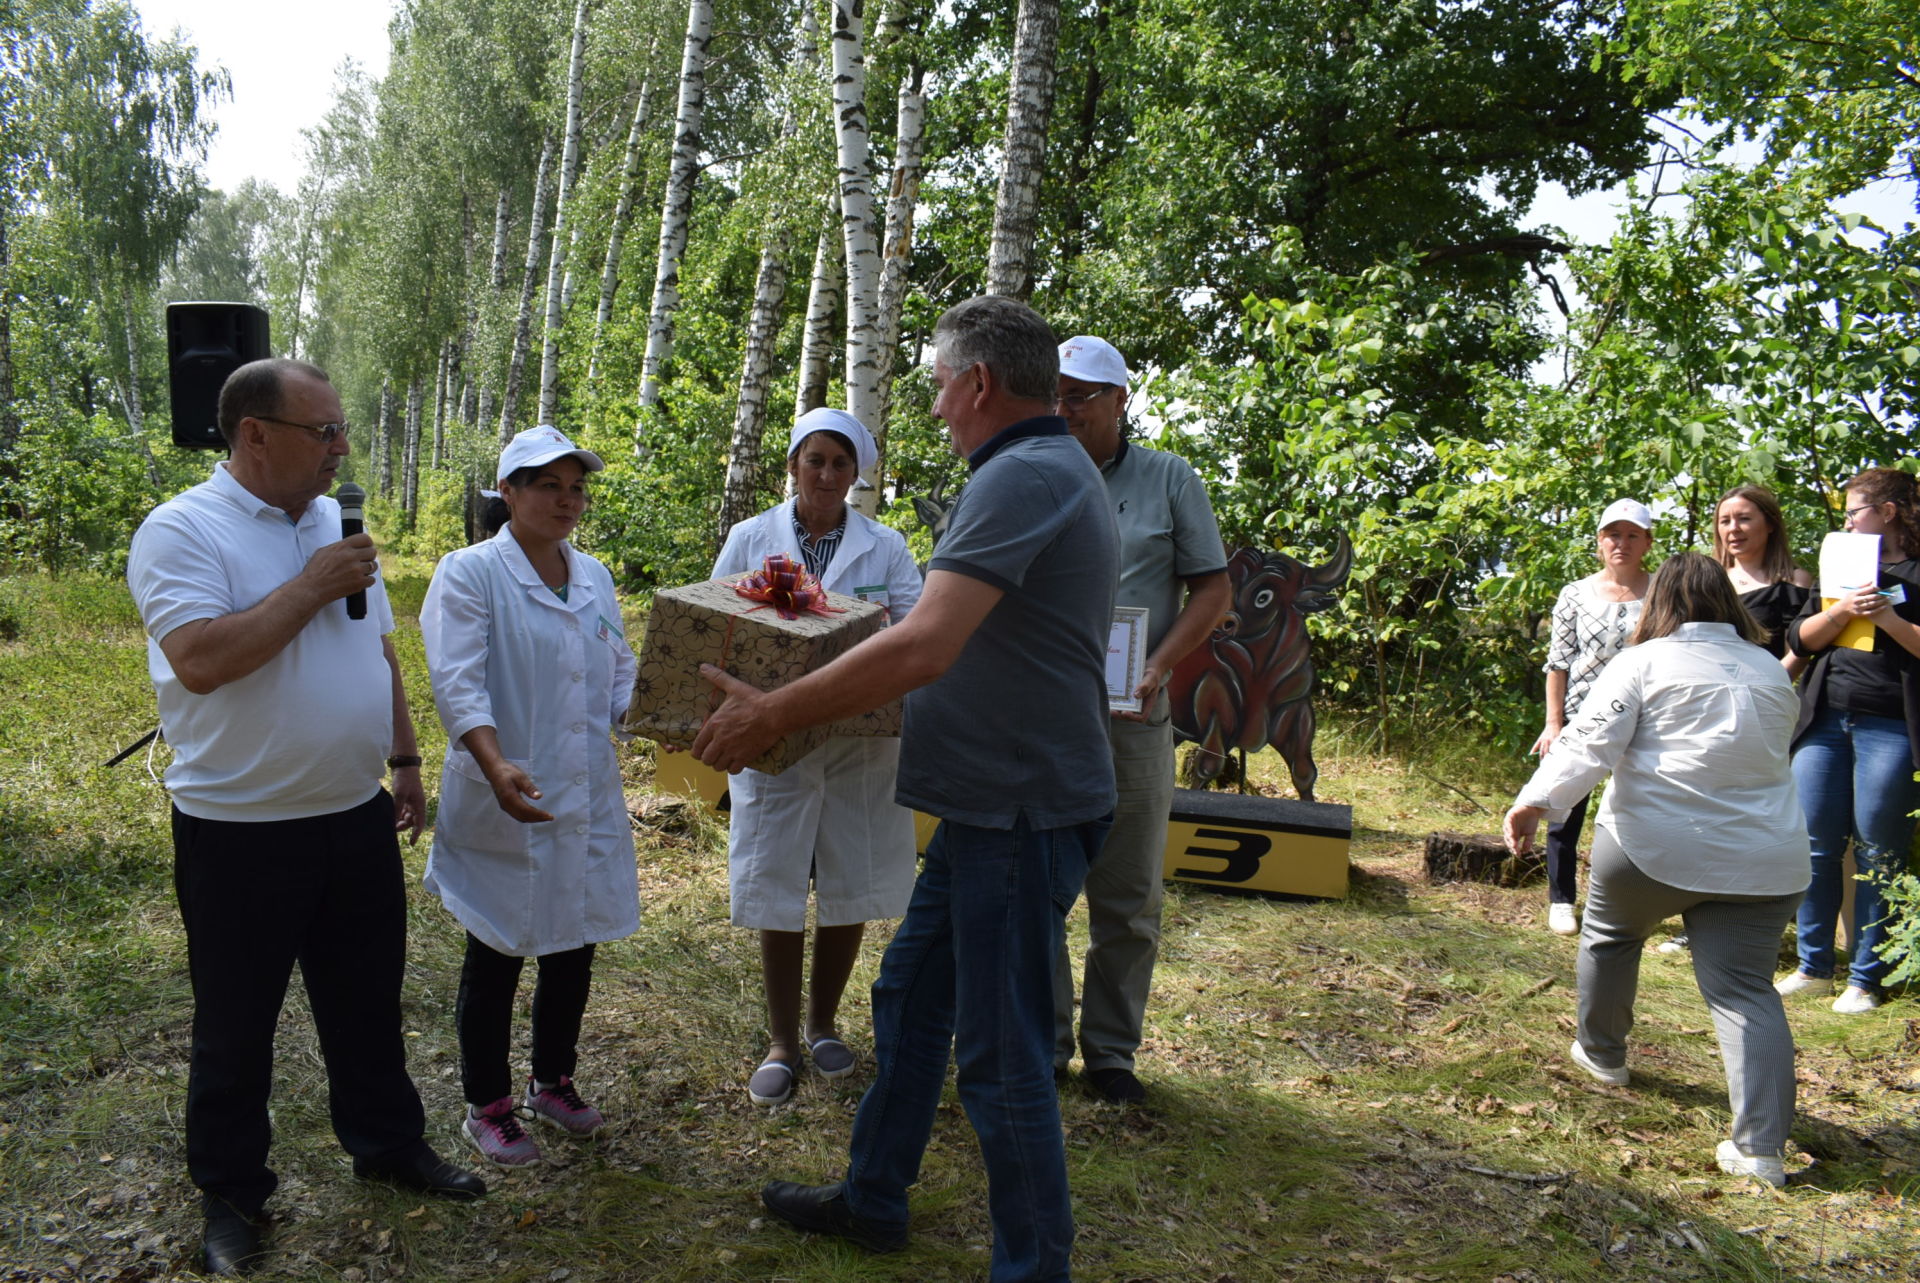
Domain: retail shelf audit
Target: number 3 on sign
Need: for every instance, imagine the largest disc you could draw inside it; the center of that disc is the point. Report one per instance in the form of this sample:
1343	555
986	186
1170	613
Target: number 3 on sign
1242	860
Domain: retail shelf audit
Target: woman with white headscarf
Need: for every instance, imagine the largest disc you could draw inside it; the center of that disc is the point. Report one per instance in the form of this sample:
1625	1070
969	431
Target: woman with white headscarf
829	819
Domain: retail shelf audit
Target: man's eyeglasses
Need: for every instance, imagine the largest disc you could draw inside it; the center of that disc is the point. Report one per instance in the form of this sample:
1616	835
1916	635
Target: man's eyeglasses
1074	400
326	433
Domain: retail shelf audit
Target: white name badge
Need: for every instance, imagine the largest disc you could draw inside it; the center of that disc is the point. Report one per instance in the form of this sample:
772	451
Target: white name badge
1126	658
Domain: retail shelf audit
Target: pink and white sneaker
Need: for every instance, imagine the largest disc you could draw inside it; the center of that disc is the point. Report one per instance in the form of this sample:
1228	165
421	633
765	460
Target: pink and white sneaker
496	1132
560	1106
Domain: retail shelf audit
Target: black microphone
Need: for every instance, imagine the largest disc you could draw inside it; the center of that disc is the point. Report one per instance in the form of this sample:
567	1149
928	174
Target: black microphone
353	504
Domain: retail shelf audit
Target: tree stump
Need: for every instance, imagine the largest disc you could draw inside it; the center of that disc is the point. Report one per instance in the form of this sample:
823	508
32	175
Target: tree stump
1471	857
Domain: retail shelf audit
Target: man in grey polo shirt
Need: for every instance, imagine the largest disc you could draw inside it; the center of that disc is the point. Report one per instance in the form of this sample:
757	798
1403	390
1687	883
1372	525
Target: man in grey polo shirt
1172	563
1005	741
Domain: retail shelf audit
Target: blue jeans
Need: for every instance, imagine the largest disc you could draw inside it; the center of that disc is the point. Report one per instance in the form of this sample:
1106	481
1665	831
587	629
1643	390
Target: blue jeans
1855	775
971	971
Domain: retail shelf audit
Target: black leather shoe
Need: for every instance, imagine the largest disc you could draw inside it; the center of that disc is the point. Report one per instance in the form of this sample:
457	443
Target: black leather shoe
231	1246
822	1209
1116	1085
422	1169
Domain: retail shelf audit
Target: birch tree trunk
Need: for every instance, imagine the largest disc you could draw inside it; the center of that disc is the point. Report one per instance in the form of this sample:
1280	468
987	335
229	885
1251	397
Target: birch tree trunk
130	390
562	242
1029	103
502	219
677	208
442	385
622	216
857	230
908	150
303	272
823	301
130	387
383	440
410	452
9	416
523	318
461	394
744	451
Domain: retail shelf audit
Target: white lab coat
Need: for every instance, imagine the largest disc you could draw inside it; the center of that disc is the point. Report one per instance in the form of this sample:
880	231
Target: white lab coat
832	811
552	678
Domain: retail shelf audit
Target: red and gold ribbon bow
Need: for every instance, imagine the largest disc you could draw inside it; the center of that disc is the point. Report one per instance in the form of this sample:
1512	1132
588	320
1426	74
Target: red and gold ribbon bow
788	587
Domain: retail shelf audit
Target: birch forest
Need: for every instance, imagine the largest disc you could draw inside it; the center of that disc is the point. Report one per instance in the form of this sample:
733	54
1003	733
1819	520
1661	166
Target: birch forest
668	226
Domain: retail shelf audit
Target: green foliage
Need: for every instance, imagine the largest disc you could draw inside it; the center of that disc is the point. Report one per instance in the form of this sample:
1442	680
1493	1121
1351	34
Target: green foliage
1364	412
1187	138
1828	86
78	488
1901	943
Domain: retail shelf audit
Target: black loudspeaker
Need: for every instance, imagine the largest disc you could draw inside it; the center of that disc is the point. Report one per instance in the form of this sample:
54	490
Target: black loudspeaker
205	343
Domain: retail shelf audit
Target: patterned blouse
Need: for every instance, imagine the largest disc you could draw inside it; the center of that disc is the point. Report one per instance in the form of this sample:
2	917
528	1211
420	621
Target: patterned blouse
1587	632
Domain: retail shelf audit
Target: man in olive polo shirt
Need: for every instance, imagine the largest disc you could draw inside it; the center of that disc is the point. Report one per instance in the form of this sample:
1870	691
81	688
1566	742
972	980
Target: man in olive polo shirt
1171	563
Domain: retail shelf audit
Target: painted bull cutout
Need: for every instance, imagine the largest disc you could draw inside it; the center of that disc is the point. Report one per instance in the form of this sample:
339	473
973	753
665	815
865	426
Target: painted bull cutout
1249	685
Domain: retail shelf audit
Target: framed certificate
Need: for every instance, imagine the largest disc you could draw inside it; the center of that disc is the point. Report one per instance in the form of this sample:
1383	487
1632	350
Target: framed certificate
1126	657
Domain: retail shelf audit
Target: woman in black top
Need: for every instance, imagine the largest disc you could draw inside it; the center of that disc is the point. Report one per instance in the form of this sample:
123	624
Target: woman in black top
1857	743
1750	541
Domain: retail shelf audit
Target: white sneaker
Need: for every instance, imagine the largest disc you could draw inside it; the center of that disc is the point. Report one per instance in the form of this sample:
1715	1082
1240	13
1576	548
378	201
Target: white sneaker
1611	1077
1801	982
1769	1168
1560	920
1676	945
1855	1001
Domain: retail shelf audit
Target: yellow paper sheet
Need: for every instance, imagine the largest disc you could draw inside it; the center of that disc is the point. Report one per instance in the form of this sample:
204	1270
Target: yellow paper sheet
1857	635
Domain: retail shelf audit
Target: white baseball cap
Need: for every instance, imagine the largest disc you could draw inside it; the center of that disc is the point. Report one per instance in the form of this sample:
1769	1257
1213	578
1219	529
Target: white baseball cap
865	452
1095	360
542	445
1627	510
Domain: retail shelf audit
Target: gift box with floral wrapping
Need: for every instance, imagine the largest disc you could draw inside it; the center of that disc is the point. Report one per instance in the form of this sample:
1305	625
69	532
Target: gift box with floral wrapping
766	627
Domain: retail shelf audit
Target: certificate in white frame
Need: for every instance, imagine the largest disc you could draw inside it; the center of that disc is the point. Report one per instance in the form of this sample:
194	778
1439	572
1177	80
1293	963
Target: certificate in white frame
1126	657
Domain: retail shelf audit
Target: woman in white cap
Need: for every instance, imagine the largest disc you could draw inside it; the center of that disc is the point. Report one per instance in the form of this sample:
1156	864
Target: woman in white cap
1702	820
1592	620
830	819
532	849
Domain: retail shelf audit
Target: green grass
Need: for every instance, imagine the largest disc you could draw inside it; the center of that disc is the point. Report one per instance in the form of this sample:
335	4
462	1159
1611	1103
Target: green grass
1327	1076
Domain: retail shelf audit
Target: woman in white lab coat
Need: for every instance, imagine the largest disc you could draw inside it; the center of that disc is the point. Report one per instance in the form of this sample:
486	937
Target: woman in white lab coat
830	818
532	848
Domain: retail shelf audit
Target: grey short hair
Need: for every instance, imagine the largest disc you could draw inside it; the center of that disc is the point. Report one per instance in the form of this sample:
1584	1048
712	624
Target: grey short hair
254	391
1007	337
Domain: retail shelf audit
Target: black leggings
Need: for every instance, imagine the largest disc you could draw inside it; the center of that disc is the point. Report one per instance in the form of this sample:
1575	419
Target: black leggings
483	1013
1563	854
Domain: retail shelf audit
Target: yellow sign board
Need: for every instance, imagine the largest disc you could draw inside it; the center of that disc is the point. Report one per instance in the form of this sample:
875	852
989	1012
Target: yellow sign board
1228	841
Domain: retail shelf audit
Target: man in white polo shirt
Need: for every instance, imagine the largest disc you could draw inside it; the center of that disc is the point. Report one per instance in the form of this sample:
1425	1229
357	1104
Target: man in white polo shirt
1172	563
283	714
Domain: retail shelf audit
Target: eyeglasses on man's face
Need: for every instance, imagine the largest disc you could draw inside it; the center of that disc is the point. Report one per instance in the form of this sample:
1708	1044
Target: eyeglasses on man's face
1075	400
325	433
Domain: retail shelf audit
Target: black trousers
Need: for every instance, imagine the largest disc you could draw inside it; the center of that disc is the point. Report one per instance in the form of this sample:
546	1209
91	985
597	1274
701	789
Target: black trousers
484	1014
326	892
1563	855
